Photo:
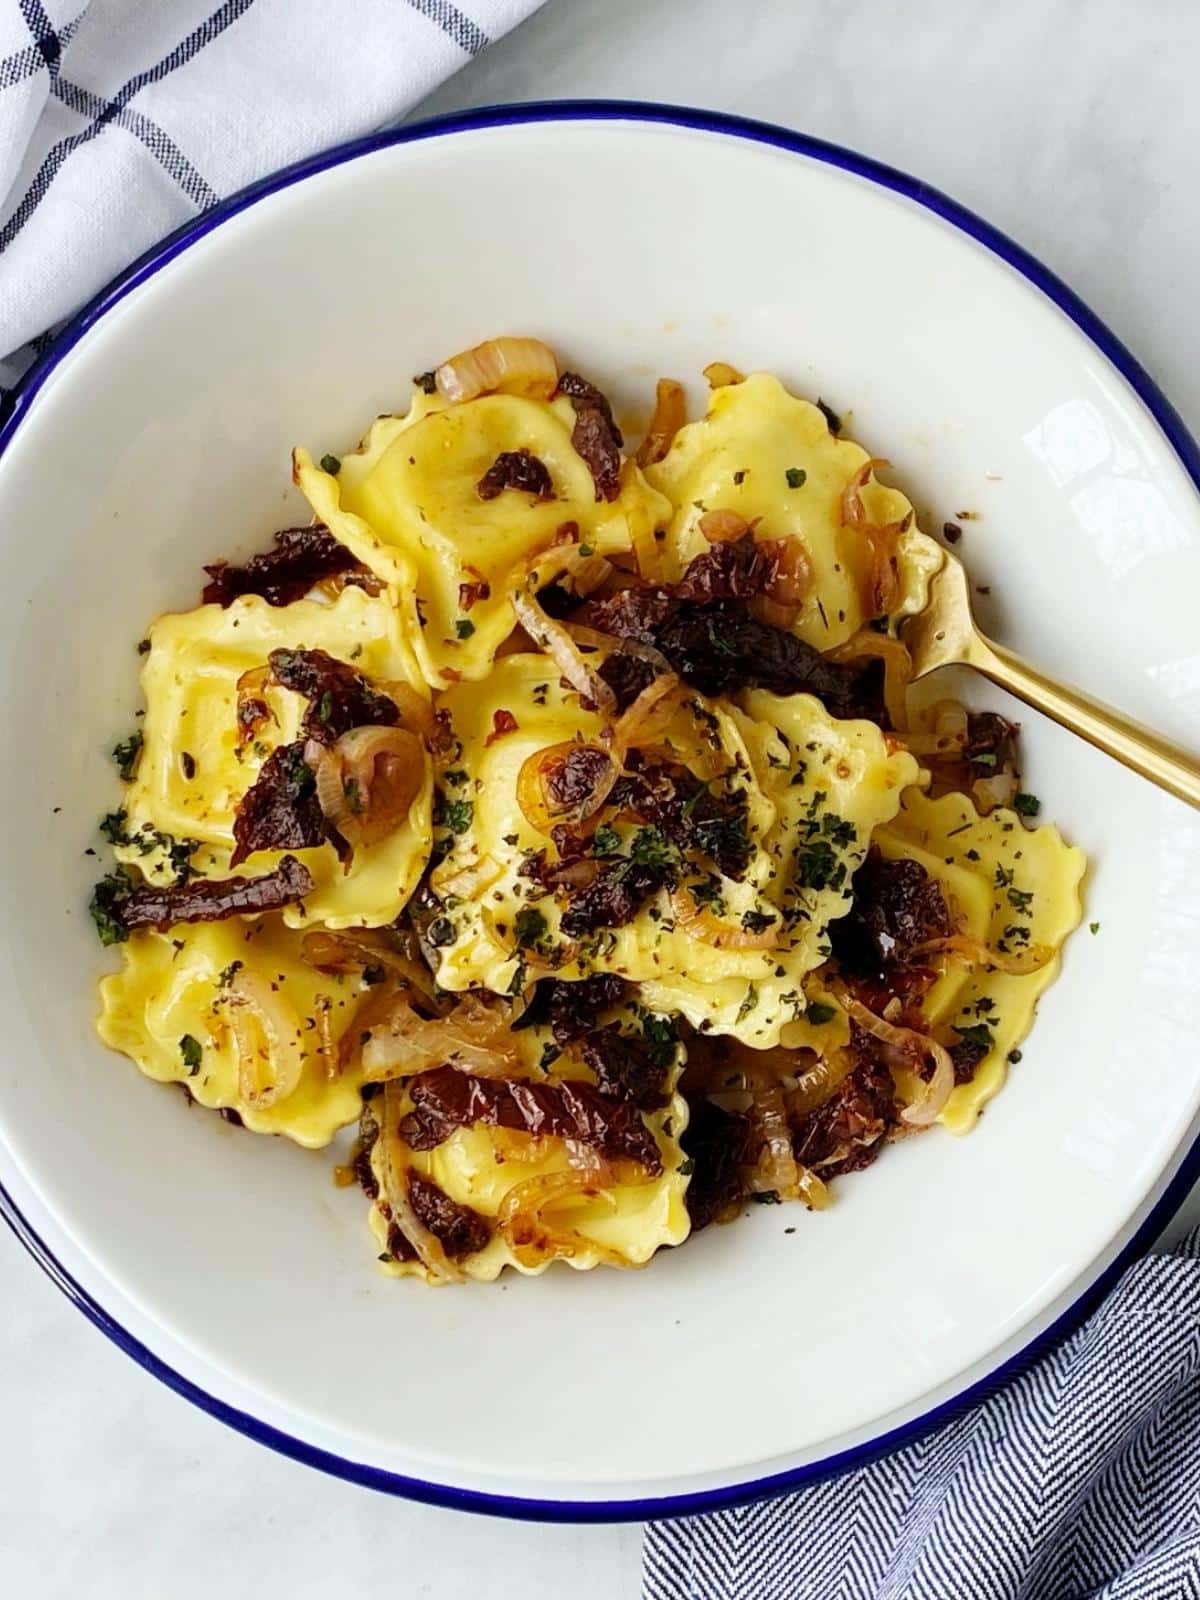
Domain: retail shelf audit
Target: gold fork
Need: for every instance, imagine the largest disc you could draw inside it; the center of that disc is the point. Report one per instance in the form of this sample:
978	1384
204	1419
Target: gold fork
945	634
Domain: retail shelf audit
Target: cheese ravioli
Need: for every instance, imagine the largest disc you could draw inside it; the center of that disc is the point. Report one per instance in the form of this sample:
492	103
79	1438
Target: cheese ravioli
407	503
771	457
195	765
622	1224
169	1009
812	789
1012	888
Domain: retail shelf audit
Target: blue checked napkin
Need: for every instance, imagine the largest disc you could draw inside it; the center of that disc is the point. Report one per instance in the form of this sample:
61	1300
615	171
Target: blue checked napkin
1080	1480
120	119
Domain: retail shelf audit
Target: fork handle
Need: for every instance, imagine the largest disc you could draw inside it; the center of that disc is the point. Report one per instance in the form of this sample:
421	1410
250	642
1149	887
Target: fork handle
1137	747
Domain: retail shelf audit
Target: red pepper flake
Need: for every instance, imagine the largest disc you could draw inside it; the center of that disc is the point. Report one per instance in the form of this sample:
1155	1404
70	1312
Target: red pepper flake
478	589
502	722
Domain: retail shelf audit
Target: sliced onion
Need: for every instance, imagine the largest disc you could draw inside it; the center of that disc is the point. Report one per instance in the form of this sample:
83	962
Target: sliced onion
648	716
775	1165
998	790
558	644
586	573
781	603
267	1032
915	1047
723	526
522	1223
882	578
473	1036
944	737
897	669
394	1167
416	712
670	414
700	923
816	1085
1018	963
322	1007
720	374
535	803
511	365
327	774
388	766
353	949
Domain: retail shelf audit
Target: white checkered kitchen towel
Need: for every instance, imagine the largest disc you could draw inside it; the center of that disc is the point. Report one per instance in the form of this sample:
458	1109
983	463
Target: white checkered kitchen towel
120	119
1080	1480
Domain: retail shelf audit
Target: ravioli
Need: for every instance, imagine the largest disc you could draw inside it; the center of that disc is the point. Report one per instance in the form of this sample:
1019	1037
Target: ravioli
770	456
193	772
480	1166
168	1010
814	789
407	504
1013	888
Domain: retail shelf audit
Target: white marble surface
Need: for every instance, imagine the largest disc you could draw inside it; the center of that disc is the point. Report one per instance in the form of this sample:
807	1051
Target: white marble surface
1073	125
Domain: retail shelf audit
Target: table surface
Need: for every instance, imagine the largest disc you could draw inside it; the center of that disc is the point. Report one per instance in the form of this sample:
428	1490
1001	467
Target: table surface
1056	120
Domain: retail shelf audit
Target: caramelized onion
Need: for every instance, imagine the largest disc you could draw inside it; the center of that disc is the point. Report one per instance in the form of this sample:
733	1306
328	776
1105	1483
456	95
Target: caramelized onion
775	1164
253	709
586	573
915	1048
720	374
815	1085
897	669
355	948
472	880
387	765
558	644
532	1238
393	1168
322	1007
998	790
511	365
474	1036
416	712
670	414
267	1032
649	716
781	603
536	805
883	580
976	953
723	526
700	922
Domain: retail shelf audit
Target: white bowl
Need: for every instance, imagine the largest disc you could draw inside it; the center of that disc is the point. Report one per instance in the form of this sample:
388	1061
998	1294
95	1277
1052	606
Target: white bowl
638	241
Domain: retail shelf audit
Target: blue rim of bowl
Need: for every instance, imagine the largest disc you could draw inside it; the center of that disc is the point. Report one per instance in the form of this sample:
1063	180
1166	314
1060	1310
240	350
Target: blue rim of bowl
12	413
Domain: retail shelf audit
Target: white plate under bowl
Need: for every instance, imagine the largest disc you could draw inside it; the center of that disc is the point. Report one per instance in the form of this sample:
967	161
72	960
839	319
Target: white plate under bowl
637	241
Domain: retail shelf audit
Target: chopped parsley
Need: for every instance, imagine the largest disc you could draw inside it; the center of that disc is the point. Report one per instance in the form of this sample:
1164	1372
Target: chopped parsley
105	908
1027	804
818	1013
585	550
143	648
767	1197
463	627
686	1168
606	841
353	796
650	847
190	1051
748	1004
979	1034
453	814
441	932
228	974
1014	1056
660	1037
325	706
1020	899
757	921
984	758
112	826
1093	927
818	866
530	927
126	754
331	465
426	381
796	477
